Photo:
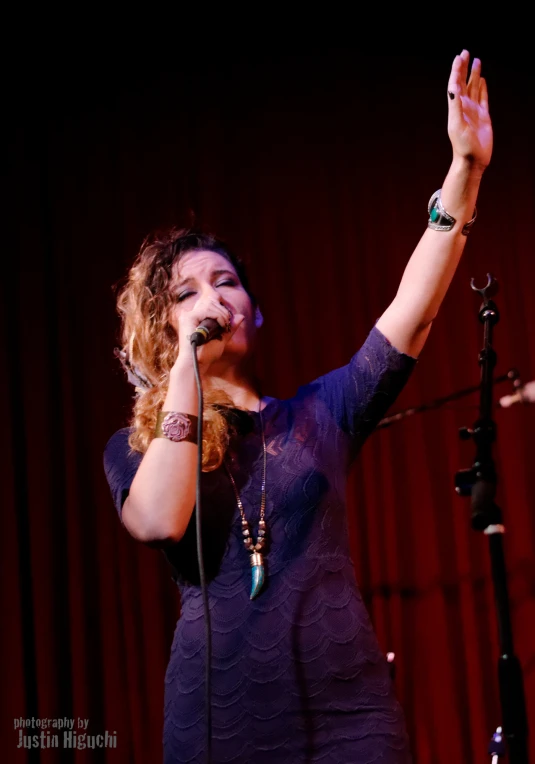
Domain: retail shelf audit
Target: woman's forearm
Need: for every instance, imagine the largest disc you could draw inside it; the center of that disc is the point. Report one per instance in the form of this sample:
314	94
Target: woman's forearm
429	272
162	496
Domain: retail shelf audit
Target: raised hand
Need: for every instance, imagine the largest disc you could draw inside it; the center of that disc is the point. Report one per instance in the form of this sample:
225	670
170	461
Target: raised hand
469	124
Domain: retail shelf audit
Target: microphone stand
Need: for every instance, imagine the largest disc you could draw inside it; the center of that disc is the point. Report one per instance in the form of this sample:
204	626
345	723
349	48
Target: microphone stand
479	482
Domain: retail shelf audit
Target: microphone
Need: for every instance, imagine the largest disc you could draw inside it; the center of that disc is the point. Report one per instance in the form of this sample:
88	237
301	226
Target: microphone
524	394
207	330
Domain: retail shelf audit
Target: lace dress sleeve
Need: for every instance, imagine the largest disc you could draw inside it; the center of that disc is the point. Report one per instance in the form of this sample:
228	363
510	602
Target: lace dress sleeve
359	394
120	467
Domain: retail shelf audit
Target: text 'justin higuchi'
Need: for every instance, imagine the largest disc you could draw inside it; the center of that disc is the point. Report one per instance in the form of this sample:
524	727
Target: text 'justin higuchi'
69	738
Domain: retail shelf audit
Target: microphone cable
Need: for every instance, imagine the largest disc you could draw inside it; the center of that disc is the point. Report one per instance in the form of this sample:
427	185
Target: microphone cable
208	675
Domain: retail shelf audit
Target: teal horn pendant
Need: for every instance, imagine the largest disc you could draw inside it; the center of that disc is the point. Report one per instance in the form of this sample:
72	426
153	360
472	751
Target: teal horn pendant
257	564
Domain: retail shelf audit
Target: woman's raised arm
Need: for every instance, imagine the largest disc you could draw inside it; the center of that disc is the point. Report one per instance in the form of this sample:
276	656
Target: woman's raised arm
407	320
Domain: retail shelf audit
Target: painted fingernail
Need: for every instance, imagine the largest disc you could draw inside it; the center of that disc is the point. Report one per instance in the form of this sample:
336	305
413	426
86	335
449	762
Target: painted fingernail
451	95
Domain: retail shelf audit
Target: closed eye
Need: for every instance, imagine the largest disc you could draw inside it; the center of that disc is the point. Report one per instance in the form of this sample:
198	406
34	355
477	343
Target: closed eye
183	296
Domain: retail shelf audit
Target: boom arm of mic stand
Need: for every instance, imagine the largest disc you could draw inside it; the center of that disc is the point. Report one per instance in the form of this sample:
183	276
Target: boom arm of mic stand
510	376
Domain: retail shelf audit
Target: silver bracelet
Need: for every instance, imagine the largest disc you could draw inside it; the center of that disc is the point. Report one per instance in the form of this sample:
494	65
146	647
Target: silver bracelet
440	220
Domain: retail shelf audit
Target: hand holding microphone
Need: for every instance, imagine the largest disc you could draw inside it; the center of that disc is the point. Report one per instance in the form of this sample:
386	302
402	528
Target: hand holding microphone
207	320
208	329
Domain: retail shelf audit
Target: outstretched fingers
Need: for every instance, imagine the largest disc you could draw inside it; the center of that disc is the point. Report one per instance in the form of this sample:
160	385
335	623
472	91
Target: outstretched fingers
475	79
455	80
483	94
469	126
456	88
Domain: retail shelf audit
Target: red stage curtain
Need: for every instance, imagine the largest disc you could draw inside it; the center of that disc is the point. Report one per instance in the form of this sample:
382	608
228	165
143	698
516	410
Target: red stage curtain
318	169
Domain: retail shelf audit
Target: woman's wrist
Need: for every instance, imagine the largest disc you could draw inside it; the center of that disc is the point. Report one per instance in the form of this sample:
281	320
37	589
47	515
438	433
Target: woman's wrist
184	366
460	189
182	390
468	168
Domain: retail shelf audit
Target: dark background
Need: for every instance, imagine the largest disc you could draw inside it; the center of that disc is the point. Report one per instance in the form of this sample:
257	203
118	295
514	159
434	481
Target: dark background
317	167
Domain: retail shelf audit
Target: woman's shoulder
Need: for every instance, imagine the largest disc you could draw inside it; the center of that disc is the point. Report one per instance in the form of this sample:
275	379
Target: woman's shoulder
120	465
119	439
118	451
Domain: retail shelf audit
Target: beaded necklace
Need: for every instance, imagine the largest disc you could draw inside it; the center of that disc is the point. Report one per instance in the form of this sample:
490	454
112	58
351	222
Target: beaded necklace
257	560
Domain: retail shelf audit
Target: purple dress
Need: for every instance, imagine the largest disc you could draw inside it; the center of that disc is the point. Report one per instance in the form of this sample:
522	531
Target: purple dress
297	672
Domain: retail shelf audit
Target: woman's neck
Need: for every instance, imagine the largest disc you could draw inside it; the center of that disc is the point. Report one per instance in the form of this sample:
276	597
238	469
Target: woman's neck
238	384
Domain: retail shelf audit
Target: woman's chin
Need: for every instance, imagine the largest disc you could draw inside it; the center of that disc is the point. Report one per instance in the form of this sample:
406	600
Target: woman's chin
235	353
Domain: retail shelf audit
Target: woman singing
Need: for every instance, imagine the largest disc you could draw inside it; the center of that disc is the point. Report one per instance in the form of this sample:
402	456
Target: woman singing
297	672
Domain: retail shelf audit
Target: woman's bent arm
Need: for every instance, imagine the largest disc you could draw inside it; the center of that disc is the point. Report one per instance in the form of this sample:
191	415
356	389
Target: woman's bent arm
162	496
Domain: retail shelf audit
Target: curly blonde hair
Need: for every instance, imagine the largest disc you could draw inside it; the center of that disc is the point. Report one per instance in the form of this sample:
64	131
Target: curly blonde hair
149	341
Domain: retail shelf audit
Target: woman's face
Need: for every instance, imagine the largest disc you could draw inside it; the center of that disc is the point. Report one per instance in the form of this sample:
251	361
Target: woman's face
202	273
